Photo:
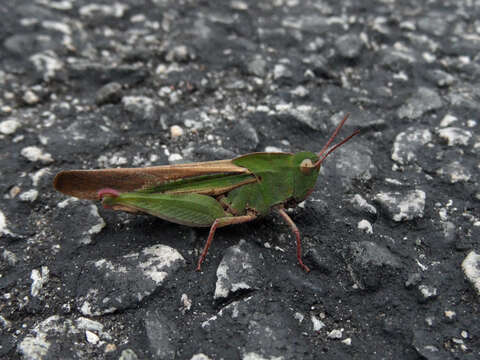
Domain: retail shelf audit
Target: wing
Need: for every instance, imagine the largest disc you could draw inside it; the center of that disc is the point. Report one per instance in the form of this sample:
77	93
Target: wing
85	184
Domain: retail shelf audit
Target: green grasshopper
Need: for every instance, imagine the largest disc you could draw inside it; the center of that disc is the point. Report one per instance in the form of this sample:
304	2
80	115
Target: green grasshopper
207	194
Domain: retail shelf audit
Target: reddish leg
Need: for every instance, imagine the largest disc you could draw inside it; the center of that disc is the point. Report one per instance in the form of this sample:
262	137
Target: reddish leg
294	228
219	223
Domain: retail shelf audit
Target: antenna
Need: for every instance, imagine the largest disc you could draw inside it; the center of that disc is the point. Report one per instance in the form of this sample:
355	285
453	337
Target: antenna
321	154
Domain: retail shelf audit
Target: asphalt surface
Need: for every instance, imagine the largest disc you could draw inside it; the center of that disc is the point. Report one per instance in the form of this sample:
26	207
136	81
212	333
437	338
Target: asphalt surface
391	231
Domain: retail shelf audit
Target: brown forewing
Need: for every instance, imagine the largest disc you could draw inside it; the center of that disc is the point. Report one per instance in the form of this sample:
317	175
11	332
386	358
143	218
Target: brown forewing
85	184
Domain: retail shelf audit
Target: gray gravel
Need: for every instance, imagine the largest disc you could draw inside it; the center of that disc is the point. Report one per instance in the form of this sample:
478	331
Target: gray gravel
391	230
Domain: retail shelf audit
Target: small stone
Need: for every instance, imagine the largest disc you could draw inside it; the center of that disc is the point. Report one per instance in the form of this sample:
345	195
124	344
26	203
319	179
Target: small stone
9	126
257	67
272	149
421	102
128	354
349	46
280	71
9	257
180	53
200	357
455	136
47	63
365	226
29	196
30	97
448	120
408	143
361	205
449	232
39	278
455	172
240	269
335	334
142	107
175	158
92	338
55	330
239	5
110	93
299	316
450	315
413	280
402	206
35	154
3	224
441	78
186	303
427	293
305	114
6	109
116	10
347	341
176	131
317	323
4	323
14	191
300	91
110	348
471	269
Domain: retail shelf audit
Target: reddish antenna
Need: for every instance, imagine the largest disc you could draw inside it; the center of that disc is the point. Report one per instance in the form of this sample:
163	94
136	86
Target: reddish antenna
329	142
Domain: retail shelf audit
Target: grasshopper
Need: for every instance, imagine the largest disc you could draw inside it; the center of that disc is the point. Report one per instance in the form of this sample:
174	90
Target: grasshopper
207	194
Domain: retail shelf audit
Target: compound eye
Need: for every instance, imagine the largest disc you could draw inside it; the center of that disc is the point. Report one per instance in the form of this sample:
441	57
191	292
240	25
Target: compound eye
306	166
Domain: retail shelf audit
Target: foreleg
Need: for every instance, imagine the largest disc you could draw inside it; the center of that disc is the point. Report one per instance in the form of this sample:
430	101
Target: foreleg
294	228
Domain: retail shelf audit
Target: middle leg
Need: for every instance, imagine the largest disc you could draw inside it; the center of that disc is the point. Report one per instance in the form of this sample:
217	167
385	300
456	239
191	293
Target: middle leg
220	223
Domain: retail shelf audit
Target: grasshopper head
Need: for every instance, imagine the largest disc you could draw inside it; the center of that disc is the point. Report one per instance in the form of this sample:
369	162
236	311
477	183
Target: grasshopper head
306	174
309	165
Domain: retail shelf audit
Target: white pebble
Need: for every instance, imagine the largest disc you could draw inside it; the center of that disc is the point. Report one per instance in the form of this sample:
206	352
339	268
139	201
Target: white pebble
30	97
455	135
335	334
450	314
34	154
174	158
186	302
298	316
9	126
471	268
365	226
272	149
448	120
92	338
29	196
40	278
317	323
200	356
176	131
